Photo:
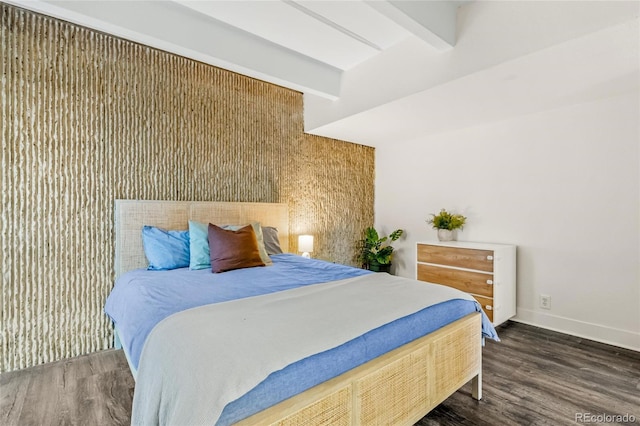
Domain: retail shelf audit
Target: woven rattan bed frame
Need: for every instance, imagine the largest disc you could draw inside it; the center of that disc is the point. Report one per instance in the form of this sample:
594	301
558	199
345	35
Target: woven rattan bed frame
397	388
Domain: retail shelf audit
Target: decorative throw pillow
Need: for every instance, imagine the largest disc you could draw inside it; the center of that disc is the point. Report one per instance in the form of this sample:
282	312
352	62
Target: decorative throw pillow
271	240
199	257
259	236
164	249
233	249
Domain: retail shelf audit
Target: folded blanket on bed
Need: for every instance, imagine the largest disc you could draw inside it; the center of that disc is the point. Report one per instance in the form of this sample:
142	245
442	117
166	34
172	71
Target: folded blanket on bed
197	361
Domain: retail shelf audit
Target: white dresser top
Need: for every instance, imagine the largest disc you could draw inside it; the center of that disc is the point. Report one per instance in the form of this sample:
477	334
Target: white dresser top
468	244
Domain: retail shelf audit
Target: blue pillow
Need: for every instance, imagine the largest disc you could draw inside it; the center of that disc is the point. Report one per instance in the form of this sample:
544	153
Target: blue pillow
200	257
165	249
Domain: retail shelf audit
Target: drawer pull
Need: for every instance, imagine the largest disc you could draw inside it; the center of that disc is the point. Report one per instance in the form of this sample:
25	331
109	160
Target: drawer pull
489	308
490	282
489	257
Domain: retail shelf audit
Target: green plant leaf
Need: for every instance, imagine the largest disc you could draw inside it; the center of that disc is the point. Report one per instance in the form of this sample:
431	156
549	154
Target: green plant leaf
446	220
376	249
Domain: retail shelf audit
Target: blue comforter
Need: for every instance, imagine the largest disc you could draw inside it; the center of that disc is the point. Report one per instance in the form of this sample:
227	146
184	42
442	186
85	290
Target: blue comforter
141	299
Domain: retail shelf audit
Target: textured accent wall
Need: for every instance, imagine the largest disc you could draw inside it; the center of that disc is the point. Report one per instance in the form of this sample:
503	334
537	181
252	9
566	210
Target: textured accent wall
87	118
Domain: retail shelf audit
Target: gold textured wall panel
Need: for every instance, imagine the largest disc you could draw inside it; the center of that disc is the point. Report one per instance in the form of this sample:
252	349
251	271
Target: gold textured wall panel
87	118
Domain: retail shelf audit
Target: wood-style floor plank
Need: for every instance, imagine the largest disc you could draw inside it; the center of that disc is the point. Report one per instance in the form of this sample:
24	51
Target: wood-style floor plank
540	377
532	377
95	389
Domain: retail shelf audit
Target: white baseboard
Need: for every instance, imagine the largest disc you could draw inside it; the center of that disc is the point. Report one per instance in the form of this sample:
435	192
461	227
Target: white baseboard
600	333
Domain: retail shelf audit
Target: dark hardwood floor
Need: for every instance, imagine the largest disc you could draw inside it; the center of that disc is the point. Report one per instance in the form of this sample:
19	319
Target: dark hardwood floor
532	377
95	389
540	377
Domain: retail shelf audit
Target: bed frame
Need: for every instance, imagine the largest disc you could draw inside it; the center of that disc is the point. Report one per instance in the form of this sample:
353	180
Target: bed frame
397	388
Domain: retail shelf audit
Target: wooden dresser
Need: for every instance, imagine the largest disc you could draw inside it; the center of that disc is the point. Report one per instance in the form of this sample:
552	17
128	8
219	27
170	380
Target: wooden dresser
486	271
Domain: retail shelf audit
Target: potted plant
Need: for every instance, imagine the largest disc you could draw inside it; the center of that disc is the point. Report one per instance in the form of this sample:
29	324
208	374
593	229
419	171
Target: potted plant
446	223
375	254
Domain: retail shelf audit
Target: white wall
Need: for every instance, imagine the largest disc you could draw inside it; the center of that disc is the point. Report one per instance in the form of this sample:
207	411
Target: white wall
563	185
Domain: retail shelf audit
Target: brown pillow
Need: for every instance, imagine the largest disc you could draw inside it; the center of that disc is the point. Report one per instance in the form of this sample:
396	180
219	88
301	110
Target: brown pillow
233	249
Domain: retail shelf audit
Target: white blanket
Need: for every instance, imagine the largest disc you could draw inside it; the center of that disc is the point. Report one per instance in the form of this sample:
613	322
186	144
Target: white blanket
197	361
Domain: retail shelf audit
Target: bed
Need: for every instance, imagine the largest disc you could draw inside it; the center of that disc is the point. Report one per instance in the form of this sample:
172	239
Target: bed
395	368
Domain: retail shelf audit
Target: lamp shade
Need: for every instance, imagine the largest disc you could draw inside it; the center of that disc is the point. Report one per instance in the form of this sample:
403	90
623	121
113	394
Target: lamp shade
305	243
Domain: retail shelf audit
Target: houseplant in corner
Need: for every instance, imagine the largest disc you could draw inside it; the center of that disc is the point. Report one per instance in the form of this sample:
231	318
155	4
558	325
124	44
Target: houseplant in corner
446	223
375	254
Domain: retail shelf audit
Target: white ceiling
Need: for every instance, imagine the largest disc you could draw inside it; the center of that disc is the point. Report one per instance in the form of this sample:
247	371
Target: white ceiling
593	67
305	45
379	71
510	59
340	34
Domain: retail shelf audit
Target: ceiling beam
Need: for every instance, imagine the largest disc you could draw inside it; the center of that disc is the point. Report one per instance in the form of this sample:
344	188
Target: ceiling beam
331	24
432	21
169	26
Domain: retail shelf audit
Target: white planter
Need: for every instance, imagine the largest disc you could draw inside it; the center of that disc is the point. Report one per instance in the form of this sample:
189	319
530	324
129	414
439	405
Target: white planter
445	235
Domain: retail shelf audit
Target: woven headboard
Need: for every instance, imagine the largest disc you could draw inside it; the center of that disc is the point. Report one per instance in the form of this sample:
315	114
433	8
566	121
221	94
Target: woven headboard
132	215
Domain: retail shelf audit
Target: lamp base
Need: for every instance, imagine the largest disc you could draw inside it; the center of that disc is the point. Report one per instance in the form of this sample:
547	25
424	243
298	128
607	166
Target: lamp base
306	255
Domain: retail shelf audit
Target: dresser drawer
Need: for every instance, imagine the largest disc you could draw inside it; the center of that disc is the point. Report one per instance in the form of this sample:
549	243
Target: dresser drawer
487	306
486	271
467	281
479	260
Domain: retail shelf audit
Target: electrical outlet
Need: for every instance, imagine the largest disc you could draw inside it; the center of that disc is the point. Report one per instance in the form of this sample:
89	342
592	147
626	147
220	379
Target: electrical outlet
545	301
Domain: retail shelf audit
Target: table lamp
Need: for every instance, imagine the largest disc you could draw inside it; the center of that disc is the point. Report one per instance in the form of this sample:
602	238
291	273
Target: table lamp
305	245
